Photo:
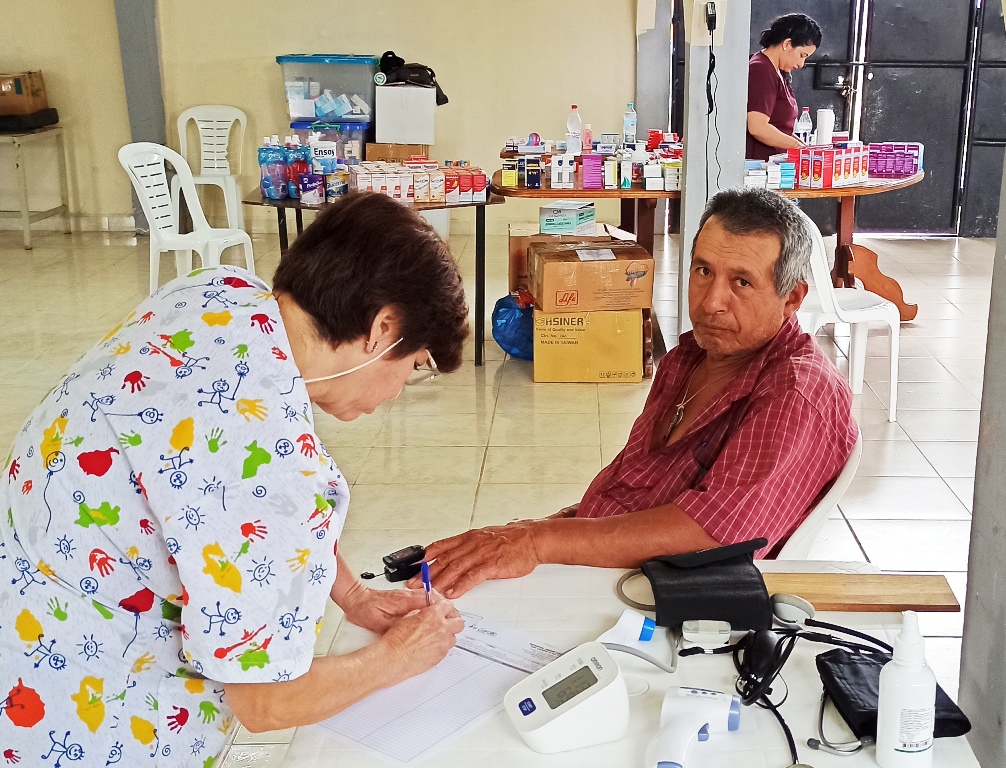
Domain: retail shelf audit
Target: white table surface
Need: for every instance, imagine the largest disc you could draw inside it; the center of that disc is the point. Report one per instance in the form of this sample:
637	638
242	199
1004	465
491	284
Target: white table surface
566	606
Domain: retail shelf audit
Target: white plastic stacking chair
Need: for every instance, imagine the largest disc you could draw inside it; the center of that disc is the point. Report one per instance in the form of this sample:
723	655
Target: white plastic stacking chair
214	123
797	547
826	304
145	164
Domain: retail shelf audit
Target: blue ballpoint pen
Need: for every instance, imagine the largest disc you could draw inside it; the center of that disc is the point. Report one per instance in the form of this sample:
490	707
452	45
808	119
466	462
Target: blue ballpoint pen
426	582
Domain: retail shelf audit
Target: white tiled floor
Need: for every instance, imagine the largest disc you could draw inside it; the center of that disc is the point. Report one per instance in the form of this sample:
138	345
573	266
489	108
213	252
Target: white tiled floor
479	447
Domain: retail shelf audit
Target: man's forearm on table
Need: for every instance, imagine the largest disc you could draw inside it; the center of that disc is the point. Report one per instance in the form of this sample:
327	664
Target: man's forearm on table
621	541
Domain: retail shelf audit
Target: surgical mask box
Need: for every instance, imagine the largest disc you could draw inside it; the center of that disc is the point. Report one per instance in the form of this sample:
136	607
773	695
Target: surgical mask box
521	238
437	182
589	347
567	217
578	277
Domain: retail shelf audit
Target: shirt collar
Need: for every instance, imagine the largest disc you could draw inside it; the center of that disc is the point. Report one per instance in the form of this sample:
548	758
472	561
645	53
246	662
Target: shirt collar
741	387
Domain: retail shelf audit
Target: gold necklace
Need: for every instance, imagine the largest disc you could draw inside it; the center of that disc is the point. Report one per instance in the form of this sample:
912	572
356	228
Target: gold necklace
679	414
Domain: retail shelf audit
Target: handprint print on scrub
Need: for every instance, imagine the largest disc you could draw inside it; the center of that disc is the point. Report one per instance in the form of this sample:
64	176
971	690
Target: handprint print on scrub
136	381
59	614
130	441
213	440
263	321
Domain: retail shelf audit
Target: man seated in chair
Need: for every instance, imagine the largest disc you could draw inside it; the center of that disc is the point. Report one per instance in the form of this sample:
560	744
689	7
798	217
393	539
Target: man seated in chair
744	429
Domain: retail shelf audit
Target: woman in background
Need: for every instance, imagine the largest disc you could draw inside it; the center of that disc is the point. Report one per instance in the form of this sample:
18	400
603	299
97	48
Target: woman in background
772	107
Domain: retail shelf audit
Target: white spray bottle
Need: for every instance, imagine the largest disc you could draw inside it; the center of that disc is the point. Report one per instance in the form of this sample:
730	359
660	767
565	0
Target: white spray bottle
907	707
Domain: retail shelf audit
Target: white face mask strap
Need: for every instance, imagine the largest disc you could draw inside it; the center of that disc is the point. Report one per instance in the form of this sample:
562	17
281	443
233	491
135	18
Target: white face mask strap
355	368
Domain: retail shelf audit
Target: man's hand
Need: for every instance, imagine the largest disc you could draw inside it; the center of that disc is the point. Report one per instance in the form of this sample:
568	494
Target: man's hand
377	609
500	552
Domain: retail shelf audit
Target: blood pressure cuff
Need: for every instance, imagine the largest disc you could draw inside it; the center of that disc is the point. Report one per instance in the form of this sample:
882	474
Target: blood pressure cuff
720	584
852	682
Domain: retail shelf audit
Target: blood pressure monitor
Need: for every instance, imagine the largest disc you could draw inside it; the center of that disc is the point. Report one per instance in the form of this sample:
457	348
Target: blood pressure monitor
576	701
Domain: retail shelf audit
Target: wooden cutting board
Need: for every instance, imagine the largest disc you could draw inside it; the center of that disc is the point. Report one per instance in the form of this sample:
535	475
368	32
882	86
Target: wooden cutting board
867	592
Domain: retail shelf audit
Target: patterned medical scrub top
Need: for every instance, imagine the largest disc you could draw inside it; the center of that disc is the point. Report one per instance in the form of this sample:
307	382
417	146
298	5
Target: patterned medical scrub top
168	524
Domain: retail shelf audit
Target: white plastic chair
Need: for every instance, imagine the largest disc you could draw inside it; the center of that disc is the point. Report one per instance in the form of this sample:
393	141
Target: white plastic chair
214	123
797	547
826	304
145	164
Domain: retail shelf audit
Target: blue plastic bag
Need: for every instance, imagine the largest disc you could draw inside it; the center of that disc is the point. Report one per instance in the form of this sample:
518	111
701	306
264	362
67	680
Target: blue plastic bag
513	327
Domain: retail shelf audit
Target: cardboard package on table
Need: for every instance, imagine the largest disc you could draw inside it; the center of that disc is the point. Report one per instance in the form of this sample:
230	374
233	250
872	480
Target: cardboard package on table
522	237
22	93
391	153
591	347
577	277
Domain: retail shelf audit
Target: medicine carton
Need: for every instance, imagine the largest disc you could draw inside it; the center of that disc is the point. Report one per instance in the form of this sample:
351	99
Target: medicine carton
421	186
610	173
480	184
437	184
593	347
452	192
569	277
557	164
508	178
464	185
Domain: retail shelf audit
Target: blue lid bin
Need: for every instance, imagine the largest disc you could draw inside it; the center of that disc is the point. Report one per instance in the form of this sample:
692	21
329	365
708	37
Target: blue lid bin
329	87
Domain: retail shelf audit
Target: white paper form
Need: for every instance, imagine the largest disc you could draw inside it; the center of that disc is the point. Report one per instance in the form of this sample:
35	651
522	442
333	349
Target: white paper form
406	720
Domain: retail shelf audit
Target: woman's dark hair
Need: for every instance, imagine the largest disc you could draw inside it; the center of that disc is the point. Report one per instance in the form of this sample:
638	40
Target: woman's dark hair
367	252
798	27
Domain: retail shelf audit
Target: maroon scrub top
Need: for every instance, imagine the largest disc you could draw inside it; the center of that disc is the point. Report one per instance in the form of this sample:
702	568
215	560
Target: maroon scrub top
770	94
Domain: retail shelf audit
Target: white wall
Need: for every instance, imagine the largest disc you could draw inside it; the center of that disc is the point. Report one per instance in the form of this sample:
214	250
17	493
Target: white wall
504	72
76	47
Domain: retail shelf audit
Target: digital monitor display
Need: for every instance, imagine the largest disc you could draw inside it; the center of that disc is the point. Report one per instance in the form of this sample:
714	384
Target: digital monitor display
568	687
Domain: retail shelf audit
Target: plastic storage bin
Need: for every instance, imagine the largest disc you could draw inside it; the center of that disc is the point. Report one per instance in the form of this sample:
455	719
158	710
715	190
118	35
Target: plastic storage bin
350	138
329	87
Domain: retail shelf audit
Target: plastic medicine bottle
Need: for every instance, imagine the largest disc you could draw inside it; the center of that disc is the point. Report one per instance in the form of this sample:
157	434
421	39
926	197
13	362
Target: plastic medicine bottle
804	126
628	126
907	706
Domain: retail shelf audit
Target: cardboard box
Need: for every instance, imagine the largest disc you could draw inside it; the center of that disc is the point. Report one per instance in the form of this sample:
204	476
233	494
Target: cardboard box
592	347
405	114
521	238
480	184
395	153
579	277
22	93
567	217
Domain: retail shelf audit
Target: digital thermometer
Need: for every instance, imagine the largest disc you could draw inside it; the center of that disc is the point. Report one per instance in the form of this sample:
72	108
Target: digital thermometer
576	701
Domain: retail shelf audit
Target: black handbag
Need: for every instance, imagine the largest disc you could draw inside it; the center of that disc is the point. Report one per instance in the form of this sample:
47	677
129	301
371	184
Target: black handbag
395	70
720	584
852	682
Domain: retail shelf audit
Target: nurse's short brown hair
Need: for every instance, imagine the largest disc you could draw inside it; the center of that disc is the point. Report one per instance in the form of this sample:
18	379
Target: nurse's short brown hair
367	252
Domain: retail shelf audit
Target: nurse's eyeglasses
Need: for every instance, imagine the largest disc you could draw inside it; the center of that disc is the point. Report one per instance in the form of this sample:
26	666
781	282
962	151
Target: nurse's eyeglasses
426	371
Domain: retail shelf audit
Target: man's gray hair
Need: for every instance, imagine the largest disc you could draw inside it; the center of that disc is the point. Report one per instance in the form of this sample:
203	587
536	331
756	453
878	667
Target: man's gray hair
759	211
